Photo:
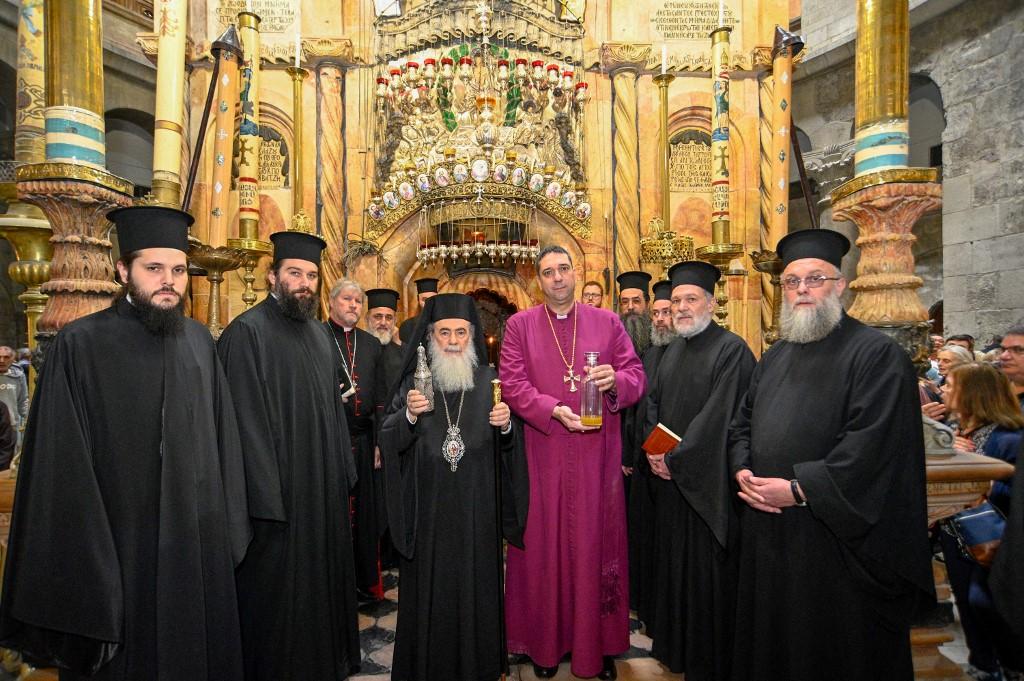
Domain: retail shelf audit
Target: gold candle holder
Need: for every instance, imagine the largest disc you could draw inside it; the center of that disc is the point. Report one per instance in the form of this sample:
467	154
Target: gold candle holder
768	262
30	239
216	260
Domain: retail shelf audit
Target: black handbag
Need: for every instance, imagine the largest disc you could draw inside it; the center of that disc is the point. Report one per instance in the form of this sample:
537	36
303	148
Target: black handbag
978	531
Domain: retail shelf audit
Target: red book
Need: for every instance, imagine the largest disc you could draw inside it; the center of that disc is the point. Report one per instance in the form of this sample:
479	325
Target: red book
661	441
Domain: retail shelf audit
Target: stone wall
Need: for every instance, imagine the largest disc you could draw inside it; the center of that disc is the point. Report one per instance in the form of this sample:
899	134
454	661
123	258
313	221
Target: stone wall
972	256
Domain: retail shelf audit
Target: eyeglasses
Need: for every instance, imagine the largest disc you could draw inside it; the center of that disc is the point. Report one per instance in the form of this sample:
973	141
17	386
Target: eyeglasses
591	296
813	281
1012	349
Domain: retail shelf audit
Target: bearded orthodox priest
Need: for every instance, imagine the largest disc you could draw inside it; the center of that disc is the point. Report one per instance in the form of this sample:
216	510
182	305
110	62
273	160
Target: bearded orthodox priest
130	513
443	505
296	586
828	455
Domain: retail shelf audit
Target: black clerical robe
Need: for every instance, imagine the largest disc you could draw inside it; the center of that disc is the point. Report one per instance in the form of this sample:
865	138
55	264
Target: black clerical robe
358	357
391	361
296	586
444	524
406	328
696	391
1005	580
130	512
640	502
830	588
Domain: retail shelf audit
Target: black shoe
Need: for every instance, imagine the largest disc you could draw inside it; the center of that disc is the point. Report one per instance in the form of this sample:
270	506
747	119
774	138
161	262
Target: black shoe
544	672
363	596
608	672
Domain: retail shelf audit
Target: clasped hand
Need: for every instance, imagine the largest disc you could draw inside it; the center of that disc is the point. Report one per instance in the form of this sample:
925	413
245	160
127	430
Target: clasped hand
770	495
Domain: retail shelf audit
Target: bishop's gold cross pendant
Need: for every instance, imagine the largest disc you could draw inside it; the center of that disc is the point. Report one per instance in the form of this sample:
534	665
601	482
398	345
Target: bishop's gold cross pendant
571	379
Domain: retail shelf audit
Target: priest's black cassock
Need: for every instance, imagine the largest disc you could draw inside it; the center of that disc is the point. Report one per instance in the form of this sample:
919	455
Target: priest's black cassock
1005	579
391	361
829	589
358	355
698	386
444	522
640	510
130	512
296	586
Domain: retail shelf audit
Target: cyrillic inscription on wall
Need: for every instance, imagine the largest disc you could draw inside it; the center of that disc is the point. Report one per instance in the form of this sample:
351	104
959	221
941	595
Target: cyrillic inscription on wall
686	20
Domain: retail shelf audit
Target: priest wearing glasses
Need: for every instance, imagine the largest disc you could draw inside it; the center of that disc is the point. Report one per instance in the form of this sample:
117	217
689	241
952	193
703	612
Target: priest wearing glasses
568	591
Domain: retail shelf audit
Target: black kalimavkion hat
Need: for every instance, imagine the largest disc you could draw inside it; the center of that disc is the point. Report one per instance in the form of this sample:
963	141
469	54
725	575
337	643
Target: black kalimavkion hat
634	279
382	297
297	245
695	272
140	227
663	290
823	244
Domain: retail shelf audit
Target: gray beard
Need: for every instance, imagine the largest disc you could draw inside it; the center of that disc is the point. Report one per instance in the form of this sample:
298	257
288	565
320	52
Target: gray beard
452	372
810	325
383	336
661	337
639	329
701	323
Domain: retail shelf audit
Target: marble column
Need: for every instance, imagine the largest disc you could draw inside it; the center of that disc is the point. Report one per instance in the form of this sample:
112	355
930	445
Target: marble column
885	198
331	185
624	62
24	225
71	185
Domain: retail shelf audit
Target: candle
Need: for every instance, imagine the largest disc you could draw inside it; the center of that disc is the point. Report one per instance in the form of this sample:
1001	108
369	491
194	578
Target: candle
248	6
721	13
664	59
298	50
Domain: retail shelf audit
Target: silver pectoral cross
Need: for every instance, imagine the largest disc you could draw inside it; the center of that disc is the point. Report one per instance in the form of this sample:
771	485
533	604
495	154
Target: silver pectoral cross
571	379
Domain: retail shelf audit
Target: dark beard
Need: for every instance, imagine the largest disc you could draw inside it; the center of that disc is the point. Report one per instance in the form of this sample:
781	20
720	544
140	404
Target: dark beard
159	321
295	308
638	327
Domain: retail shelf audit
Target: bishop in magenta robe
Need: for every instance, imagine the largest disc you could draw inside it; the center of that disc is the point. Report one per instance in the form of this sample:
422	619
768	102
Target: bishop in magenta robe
568	590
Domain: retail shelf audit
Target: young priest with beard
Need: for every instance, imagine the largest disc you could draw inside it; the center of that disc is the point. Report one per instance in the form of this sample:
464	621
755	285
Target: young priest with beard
296	586
439	472
701	378
130	514
828	455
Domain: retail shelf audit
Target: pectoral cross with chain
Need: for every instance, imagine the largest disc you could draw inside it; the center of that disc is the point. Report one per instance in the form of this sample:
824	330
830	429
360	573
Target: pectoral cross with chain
571	379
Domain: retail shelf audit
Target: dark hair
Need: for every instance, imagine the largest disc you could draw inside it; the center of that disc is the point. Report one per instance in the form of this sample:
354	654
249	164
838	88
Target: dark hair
127	259
965	337
594	283
548	250
1015	330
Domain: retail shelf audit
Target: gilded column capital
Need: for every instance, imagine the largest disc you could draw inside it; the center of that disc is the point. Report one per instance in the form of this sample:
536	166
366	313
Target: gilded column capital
617	57
315	50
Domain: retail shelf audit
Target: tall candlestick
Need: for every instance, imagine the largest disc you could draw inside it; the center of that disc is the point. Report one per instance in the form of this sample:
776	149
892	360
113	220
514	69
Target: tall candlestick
663	82
249	140
720	136
300	221
169	23
228	51
786	47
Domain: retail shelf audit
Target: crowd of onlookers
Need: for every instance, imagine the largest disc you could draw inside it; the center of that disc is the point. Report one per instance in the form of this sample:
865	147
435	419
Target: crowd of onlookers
979	394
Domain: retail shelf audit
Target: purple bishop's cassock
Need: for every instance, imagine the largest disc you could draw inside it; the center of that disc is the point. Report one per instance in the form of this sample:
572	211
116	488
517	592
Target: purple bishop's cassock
568	591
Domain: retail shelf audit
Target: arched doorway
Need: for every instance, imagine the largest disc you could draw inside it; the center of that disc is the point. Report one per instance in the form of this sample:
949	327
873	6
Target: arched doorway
494	310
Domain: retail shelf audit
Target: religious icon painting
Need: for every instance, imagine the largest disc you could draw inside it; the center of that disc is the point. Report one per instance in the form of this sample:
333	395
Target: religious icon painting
442	177
568	199
553	190
500	172
480	170
375	211
391	200
423	182
406	191
460	173
536	182
583	211
519	177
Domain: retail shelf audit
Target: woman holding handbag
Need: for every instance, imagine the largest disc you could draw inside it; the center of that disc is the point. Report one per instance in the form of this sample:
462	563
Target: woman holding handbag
989	422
